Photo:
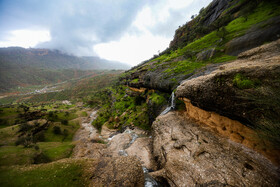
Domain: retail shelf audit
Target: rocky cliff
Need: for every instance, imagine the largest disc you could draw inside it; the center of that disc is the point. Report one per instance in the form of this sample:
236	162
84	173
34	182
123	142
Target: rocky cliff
218	34
217	65
225	129
246	90
204	148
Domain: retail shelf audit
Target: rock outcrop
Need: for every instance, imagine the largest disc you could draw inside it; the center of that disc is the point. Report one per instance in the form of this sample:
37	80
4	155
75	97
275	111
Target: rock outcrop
263	32
120	171
246	90
190	154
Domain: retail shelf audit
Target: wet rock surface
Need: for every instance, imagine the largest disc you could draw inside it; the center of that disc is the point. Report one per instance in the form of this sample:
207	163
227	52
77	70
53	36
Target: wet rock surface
142	149
189	154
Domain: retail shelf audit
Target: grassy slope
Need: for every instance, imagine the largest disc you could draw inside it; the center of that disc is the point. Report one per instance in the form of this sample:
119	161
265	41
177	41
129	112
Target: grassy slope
183	61
62	173
53	146
84	89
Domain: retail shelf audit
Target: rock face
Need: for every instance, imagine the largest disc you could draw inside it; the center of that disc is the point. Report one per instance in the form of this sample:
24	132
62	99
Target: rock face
215	9
204	55
189	154
255	37
246	90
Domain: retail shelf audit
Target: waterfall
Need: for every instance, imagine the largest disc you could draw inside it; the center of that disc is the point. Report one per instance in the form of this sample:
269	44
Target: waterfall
172	104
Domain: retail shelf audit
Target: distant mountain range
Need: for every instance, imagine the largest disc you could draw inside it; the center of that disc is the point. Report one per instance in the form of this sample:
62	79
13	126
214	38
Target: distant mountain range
53	59
22	67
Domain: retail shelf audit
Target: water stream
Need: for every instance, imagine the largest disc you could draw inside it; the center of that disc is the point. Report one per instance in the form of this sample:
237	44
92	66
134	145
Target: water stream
171	104
88	127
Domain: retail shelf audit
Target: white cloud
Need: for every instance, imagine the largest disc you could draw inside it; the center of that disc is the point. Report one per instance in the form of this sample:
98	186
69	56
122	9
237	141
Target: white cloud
132	49
155	26
126	30
26	38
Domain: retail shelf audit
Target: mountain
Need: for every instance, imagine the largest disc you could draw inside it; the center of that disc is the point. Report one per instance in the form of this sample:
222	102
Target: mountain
53	59
22	67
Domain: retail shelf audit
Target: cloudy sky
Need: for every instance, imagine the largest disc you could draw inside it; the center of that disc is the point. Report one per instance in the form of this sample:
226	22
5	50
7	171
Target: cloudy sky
129	31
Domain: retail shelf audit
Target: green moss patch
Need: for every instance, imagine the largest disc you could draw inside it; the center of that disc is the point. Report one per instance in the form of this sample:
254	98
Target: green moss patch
243	82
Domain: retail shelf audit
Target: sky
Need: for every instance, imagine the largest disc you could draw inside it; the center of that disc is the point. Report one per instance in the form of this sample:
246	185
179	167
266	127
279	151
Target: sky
128	31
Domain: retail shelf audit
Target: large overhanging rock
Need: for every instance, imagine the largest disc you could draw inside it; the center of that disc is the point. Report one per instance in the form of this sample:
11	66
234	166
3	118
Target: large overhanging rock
189	154
247	90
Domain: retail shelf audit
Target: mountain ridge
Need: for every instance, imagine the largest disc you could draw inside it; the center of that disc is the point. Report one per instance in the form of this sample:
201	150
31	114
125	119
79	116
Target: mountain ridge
23	67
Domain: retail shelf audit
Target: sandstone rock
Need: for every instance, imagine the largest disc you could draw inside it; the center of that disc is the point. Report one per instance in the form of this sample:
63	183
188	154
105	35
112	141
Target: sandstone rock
189	154
117	171
142	149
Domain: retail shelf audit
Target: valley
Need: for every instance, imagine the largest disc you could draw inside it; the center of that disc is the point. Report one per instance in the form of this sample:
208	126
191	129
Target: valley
203	112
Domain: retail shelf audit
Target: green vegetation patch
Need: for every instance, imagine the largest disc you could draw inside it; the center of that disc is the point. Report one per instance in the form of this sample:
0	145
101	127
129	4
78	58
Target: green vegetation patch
64	134
125	107
183	67
56	150
8	135
223	58
53	174
242	82
16	155
135	81
157	98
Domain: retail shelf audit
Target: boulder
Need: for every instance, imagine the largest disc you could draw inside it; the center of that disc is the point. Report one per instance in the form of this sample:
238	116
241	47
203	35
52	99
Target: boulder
117	171
206	54
118	144
142	149
191	154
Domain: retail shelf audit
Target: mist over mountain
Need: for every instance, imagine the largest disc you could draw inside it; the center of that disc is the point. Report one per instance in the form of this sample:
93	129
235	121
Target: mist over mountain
21	67
53	59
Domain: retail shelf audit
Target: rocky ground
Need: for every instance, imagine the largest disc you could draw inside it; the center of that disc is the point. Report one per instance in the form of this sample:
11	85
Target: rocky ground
191	154
120	154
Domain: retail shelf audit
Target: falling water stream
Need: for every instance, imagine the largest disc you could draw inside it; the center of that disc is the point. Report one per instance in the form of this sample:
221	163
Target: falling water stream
172	104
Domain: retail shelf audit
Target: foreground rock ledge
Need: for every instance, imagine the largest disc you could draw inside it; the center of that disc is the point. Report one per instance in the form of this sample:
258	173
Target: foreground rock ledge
246	90
189	154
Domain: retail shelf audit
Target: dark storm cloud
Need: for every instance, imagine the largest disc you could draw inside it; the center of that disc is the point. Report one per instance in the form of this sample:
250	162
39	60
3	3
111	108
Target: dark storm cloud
75	25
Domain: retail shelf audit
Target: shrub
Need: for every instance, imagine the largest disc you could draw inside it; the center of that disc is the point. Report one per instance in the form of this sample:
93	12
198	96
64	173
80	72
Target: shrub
56	130
26	141
40	157
24	127
222	32
64	122
65	134
39	137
